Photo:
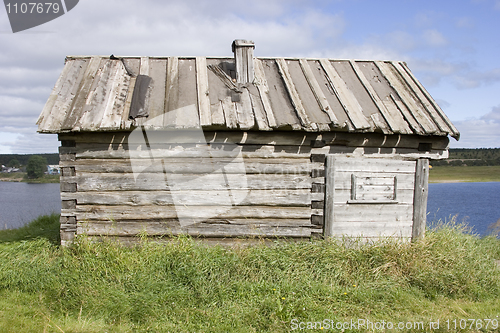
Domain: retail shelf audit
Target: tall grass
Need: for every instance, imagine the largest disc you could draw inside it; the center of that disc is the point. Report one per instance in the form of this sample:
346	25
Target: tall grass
185	286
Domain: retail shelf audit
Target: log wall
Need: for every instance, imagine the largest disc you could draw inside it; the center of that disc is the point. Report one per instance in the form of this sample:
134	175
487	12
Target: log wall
217	185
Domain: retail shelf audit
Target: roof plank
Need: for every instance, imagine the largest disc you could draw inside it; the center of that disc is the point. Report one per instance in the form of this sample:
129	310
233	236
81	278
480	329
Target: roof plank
262	86
450	127
294	96
229	108
76	108
98	97
407	98
65	95
171	92
203	93
389	111
244	111
111	119
258	109
346	97
421	97
318	93
156	109
187	95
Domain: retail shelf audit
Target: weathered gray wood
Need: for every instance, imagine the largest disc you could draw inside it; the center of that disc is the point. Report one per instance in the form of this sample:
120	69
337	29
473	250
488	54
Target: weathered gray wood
110	213
218	91
157	72
243	56
279	197
373	213
262	86
67	186
329	196
196	166
215	181
177	151
202	89
351	164
421	98
372	229
394	123
410	100
66	95
171	92
187	114
283	109
318	93
144	71
346	97
82	94
112	116
204	230
267	138
125	121
404	196
244	111
420	198
258	109
294	96
410	110
93	109
43	119
455	132
229	108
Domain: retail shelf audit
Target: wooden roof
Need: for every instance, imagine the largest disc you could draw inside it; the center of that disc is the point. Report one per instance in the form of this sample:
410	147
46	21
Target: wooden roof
101	94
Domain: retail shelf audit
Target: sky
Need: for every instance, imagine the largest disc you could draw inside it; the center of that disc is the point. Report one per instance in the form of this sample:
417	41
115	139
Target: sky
452	47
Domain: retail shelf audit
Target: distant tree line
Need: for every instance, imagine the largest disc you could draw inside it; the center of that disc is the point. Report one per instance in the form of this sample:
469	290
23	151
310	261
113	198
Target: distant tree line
22	159
471	157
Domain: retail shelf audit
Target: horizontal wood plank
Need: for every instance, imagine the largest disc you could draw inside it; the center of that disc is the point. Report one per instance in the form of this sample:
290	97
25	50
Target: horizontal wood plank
204	230
194	166
283	198
201	213
373	213
372	229
215	181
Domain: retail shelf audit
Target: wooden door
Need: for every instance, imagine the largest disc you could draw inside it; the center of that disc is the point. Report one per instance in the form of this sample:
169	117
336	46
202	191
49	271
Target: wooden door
373	197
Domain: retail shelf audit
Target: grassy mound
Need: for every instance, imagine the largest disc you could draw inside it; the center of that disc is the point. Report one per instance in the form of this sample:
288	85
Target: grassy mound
184	286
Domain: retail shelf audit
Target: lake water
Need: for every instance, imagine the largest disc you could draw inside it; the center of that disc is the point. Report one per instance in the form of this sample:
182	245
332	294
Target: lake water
477	203
21	202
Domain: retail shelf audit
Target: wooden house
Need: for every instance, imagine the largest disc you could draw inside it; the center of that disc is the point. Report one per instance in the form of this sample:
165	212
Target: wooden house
229	147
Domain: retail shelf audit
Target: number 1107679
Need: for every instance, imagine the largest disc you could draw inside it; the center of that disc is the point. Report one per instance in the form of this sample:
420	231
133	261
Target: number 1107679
33	8
472	324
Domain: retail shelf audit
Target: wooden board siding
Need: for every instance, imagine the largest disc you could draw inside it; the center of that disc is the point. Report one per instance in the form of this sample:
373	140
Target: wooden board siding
227	183
383	205
184	189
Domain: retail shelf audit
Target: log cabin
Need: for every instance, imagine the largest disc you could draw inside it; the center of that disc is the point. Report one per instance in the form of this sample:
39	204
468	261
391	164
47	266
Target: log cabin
231	148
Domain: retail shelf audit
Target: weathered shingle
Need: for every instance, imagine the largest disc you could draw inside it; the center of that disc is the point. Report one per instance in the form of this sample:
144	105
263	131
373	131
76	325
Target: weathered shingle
102	94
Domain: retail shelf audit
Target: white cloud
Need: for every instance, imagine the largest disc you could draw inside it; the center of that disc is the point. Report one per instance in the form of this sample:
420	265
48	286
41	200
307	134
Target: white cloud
33	143
465	22
482	132
477	134
31	61
434	38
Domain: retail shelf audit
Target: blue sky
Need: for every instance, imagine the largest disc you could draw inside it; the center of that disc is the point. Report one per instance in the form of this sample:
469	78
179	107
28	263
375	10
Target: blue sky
451	46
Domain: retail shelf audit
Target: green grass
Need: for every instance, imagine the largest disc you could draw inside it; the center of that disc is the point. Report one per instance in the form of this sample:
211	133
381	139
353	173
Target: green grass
46	226
184	286
464	174
22	177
